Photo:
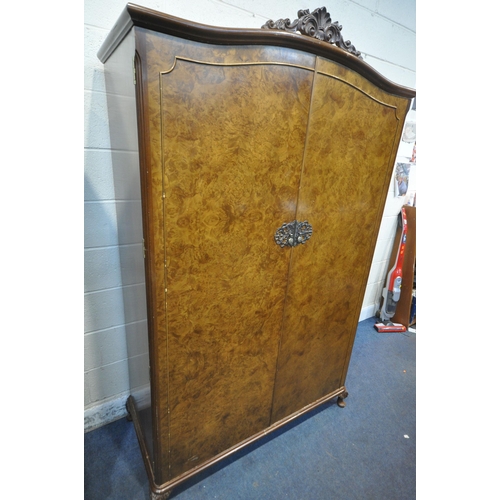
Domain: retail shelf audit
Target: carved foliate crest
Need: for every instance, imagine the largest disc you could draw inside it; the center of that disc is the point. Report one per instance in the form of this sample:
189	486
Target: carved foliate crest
317	24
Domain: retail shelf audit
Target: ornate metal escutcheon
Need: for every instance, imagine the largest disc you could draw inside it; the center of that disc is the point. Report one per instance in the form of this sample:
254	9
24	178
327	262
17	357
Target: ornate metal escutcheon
291	234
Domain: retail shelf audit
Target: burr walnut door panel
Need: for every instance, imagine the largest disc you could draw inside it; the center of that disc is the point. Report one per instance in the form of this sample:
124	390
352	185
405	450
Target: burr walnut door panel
233	140
350	148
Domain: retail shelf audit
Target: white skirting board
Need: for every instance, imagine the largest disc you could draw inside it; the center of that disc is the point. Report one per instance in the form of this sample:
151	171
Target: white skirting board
368	312
112	409
105	413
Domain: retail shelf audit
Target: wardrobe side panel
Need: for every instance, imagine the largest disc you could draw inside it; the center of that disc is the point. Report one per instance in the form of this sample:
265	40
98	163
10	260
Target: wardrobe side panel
122	115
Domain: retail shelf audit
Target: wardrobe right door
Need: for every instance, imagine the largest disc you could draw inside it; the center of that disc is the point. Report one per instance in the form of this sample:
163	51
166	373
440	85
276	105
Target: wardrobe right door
353	134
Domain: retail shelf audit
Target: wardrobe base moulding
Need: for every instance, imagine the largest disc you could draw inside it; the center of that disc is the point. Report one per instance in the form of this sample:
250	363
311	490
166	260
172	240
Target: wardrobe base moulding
163	491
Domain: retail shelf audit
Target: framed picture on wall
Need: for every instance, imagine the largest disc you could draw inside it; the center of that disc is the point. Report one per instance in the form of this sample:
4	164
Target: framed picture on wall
402	179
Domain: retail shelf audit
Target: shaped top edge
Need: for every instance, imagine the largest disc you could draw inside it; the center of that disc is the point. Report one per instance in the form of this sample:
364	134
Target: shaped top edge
311	32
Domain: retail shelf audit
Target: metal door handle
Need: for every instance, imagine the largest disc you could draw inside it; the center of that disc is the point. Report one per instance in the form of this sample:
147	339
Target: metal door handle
291	234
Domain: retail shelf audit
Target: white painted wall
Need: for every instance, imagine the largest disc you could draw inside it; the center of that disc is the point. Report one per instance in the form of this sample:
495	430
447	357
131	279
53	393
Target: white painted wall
383	30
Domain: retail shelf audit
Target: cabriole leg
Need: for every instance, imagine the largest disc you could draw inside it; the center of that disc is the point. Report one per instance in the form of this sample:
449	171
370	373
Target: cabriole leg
160	496
340	400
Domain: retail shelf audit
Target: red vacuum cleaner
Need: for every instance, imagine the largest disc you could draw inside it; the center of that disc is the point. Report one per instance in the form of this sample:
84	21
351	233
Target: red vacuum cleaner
392	291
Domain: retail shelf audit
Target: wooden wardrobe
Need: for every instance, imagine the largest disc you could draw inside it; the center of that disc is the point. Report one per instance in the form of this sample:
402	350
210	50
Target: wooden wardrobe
265	158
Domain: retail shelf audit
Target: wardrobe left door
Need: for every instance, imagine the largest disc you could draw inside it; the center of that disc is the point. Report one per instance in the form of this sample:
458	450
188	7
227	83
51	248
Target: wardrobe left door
229	128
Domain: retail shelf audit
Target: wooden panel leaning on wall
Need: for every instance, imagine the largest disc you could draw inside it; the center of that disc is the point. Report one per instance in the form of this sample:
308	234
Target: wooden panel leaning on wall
265	158
402	314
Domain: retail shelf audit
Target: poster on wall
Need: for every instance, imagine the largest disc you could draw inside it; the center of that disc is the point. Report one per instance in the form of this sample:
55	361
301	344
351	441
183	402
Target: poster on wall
402	179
